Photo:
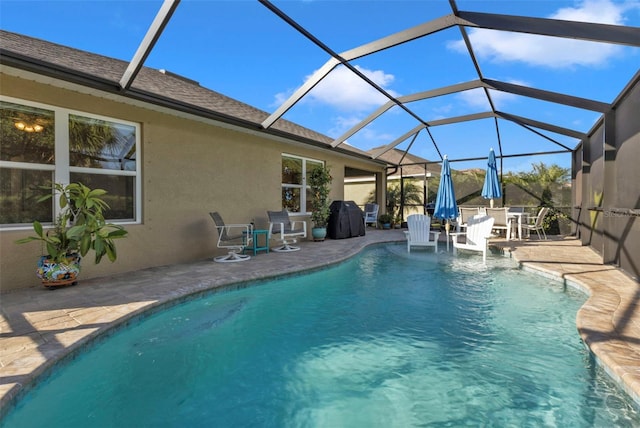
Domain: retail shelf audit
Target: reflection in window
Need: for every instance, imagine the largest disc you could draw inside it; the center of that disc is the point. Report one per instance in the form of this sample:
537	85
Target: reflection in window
27	134
120	193
19	193
102	154
295	175
291	170
95	143
291	199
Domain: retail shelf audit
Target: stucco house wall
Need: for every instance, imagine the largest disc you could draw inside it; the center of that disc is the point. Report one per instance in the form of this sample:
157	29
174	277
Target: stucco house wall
190	166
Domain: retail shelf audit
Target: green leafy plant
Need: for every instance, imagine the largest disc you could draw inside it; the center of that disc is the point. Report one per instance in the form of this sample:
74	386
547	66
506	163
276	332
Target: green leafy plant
320	185
80	226
412	196
385	218
551	222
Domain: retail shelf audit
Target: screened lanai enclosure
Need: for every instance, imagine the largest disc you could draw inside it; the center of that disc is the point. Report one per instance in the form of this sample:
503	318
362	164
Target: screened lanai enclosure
545	84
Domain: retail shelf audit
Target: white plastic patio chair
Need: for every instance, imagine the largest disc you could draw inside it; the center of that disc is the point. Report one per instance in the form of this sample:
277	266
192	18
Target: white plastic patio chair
371	214
477	236
419	233
288	231
232	237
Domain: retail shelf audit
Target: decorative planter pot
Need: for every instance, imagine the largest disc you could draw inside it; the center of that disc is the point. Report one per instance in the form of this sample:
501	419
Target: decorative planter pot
55	274
319	233
386	225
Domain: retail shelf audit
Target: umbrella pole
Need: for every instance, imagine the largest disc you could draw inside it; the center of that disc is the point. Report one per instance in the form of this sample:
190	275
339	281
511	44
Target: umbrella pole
447	226
491	203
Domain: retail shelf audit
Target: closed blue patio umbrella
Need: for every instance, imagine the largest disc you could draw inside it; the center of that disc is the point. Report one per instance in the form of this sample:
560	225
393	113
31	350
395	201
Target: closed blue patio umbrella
491	189
446	206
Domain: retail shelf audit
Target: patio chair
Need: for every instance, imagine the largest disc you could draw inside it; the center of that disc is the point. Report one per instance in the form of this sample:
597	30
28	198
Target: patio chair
371	214
477	236
232	237
419	232
538	223
464	214
288	231
502	220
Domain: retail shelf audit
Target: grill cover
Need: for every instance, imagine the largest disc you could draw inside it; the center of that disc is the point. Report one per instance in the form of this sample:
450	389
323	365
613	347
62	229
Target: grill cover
346	220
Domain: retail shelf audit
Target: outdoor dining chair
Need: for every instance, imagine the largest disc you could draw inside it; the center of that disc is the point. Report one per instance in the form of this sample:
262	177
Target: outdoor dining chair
538	224
465	213
501	218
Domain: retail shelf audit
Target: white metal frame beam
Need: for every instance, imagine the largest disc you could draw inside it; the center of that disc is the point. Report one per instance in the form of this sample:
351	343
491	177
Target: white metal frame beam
144	49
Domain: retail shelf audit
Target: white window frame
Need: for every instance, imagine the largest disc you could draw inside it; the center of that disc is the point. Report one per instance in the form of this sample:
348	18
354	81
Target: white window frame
304	187
61	167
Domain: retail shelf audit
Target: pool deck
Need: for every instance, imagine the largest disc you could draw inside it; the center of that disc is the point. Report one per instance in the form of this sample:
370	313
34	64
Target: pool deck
39	327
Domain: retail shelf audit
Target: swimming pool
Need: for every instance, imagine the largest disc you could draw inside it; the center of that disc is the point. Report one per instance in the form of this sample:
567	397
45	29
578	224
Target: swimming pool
385	339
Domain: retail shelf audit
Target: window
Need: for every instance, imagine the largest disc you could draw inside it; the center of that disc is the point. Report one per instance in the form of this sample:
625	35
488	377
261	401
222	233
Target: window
41	144
295	171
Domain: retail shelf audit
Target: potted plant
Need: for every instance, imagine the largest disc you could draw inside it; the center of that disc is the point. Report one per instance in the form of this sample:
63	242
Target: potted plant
78	228
385	220
320	185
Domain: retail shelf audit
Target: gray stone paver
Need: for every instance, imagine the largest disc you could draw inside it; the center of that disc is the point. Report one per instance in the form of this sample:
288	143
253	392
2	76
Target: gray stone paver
38	327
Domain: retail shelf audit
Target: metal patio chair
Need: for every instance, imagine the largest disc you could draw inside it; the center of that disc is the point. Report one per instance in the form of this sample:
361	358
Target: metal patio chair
233	238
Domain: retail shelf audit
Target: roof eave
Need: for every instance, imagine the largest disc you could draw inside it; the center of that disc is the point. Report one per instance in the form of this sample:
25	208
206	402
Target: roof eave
25	63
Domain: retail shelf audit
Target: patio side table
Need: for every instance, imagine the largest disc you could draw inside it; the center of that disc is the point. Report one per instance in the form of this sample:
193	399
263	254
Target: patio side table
257	233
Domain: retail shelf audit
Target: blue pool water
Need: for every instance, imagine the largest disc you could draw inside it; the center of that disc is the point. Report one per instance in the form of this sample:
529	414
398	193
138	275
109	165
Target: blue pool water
386	339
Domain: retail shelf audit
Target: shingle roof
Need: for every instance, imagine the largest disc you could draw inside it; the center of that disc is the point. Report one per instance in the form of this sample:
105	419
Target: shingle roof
151	85
412	165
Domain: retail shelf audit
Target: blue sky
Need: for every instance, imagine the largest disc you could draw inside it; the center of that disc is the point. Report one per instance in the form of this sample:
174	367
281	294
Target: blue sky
241	49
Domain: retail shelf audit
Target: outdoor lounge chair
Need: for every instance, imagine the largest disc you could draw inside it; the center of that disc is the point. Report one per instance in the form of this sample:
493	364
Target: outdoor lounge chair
232	237
476	238
288	231
538	224
371	214
419	233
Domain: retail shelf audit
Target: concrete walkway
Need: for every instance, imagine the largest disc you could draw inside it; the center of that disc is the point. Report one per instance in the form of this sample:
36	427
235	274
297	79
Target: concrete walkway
39	327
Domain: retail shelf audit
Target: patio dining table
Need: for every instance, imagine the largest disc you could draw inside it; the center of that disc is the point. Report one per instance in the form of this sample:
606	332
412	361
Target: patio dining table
518	216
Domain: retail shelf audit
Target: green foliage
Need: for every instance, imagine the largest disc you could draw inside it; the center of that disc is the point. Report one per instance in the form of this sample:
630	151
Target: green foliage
542	176
320	185
548	180
412	196
551	222
385	218
80	226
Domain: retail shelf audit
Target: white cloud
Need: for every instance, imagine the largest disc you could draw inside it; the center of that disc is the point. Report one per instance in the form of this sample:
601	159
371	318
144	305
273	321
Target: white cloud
341	124
550	52
344	90
477	99
367	137
474	98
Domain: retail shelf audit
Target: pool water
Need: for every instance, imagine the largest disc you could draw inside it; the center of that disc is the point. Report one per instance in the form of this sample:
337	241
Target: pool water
387	339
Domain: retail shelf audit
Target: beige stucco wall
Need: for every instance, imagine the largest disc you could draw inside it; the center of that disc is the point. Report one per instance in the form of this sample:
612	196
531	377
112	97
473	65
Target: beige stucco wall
189	168
359	191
